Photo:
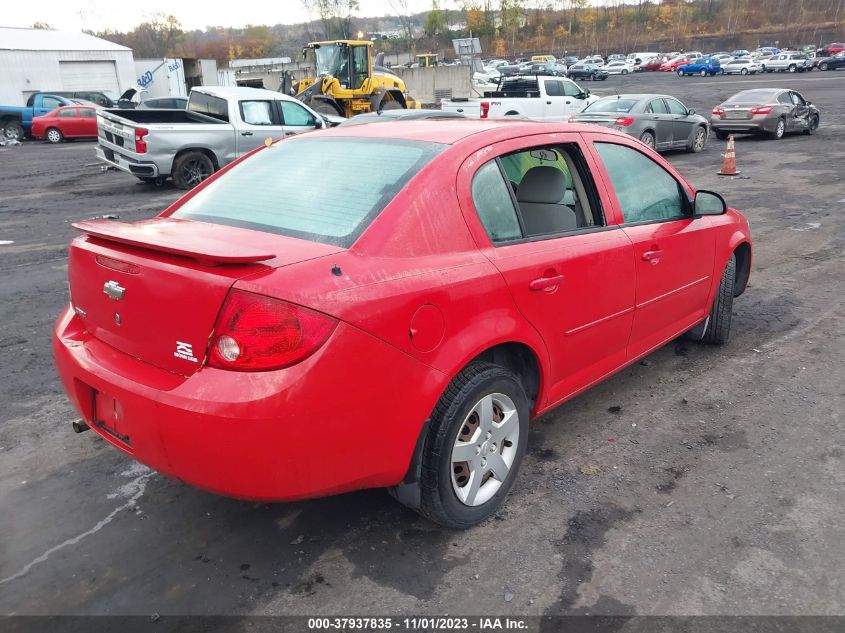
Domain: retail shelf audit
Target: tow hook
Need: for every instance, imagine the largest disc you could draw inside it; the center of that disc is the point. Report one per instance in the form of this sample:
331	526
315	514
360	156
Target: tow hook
79	426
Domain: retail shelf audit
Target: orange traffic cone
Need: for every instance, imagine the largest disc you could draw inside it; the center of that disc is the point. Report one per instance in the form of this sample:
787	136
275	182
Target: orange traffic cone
729	164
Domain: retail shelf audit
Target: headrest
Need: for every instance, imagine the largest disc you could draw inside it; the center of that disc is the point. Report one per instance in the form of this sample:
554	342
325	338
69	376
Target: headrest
545	185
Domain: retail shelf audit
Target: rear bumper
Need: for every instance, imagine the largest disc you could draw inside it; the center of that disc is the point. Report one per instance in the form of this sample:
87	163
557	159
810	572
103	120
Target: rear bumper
142	169
346	418
756	125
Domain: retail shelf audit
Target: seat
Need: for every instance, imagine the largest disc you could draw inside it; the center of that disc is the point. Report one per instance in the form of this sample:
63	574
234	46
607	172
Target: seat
539	196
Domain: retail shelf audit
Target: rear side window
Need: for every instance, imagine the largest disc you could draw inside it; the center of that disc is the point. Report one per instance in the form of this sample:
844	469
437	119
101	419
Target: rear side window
646	192
319	189
554	88
88	113
211	106
67	113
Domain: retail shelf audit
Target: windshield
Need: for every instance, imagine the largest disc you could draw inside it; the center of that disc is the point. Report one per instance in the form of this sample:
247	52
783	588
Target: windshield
753	96
611	104
329	58
309	188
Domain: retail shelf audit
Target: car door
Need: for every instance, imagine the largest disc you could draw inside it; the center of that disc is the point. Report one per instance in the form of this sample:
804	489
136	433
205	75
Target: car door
259	120
68	122
681	122
295	118
543	224
674	253
88	122
800	114
658	112
555	104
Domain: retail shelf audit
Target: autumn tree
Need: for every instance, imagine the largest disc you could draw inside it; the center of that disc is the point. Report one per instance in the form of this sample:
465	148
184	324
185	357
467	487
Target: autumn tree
334	15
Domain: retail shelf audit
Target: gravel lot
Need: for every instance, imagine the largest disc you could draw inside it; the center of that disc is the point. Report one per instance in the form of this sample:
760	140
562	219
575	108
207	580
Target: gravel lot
719	486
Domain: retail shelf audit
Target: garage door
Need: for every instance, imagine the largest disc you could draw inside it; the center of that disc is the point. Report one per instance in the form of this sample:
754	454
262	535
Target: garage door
89	76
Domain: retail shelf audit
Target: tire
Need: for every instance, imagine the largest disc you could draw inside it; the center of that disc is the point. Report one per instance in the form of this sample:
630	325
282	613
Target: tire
592	76
814	125
823	66
780	130
698	141
744	71
54	135
681	73
792	68
647	138
190	169
13	131
624	71
722	136
718	329
390	105
455	418
703	73
325	108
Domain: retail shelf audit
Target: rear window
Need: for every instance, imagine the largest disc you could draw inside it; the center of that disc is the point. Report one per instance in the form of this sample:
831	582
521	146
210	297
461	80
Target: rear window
752	95
611	105
206	104
325	190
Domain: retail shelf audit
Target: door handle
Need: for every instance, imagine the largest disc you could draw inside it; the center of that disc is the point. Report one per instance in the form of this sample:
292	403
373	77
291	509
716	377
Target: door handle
652	256
546	283
246	133
548	103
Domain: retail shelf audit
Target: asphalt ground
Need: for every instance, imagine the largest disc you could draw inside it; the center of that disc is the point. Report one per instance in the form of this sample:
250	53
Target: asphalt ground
700	481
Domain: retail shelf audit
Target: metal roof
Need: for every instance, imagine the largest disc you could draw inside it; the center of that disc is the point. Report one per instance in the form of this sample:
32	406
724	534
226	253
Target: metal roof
18	39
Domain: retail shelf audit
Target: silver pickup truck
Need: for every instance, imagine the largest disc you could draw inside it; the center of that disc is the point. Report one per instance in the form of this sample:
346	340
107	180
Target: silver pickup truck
219	125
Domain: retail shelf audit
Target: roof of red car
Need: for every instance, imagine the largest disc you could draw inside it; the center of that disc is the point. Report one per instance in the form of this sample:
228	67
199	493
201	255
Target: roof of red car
451	131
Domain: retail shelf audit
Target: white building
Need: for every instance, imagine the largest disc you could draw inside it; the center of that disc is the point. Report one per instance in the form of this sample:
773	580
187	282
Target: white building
34	60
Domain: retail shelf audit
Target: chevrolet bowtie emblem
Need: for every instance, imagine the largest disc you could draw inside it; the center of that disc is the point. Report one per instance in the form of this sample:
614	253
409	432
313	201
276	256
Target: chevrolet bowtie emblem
114	290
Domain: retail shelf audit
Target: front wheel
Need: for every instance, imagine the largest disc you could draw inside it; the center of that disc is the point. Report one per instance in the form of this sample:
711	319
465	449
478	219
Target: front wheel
823	66
703	73
475	446
812	126
190	169
390	105
680	73
792	68
718	329
698	141
624	71
54	135
744	71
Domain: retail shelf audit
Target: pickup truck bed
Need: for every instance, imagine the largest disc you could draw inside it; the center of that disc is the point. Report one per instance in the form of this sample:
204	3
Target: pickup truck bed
163	116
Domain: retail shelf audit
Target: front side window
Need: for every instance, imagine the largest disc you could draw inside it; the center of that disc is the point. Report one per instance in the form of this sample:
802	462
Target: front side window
797	99
350	197
571	89
51	102
646	192
294	114
676	107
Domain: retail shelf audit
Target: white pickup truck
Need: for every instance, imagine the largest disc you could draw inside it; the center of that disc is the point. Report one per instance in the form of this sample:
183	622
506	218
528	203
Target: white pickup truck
543	98
219	125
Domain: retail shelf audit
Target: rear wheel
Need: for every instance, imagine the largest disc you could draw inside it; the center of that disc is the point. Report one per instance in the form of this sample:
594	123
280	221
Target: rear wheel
792	68
718	329
325	108
703	73
13	131
823	66
390	105
54	135
720	135
191	168
647	138
744	71
699	140
624	71
680	73
475	446
780	128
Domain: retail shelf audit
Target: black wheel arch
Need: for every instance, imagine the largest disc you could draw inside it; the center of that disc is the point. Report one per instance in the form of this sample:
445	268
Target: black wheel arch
743	267
203	150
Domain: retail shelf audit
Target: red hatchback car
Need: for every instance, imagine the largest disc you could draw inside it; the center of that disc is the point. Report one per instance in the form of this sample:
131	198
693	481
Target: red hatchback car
388	305
66	122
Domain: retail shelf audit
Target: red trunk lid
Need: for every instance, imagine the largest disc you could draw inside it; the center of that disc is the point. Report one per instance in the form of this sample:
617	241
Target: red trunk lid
153	289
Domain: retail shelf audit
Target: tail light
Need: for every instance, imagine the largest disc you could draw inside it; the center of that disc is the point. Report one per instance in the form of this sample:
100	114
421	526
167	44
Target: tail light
762	110
485	109
258	333
140	143
624	121
718	111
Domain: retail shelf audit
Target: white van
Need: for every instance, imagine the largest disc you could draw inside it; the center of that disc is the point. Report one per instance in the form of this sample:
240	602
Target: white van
638	58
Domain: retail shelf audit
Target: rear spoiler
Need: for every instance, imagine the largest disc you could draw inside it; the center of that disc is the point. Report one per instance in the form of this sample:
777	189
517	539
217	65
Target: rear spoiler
206	243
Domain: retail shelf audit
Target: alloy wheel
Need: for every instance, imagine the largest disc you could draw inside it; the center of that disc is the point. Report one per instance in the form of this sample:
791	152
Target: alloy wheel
54	136
485	449
195	172
700	138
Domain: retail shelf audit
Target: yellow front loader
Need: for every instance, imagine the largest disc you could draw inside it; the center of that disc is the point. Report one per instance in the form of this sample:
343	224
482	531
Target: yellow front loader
342	80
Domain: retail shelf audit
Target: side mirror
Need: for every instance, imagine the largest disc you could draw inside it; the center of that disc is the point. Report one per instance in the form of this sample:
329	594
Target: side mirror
585	92
690	112
708	203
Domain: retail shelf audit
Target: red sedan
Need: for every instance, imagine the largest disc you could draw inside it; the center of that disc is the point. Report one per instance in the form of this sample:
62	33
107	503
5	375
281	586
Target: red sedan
392	327
673	64
66	122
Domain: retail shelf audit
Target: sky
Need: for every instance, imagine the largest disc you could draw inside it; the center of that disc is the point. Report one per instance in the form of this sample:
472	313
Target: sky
98	15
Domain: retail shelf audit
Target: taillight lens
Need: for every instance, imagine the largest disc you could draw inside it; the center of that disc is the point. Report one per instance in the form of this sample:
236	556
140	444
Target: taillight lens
258	333
624	121
718	111
485	109
762	110
140	143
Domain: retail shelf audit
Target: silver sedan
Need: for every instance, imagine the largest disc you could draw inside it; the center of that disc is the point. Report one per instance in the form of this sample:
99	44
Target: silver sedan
660	121
769	111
